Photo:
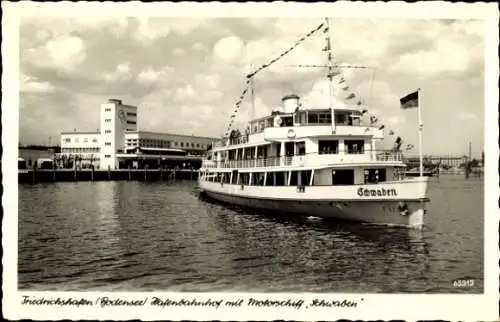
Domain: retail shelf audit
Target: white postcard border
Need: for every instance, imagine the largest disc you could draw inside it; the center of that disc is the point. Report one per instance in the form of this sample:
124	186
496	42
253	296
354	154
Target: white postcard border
373	306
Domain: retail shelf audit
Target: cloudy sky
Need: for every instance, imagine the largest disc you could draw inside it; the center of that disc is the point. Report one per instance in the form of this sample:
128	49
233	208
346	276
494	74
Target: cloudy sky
185	74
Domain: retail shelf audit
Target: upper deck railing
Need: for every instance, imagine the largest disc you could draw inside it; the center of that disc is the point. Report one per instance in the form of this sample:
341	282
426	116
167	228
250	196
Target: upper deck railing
303	118
310	159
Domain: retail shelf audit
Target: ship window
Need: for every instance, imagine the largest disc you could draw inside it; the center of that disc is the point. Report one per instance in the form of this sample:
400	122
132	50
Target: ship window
301	148
280	178
342	177
312	118
375	175
293	178
234	178
305	177
270	179
355	146
244	178
324	118
258	179
287	121
342	119
328	146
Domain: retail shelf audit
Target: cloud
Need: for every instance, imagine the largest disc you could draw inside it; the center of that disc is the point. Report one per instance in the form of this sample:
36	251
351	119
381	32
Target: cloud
199	46
395	119
149	76
63	53
37	87
178	52
121	73
31	85
151	28
228	48
467	116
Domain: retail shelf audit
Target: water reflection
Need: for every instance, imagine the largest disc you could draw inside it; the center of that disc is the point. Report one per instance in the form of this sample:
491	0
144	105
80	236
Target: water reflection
319	252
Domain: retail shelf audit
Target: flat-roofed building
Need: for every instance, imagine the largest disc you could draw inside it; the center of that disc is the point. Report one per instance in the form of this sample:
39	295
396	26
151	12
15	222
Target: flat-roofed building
119	143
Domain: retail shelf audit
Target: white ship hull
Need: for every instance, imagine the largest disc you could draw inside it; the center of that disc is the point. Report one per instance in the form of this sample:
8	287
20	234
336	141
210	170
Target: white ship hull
400	203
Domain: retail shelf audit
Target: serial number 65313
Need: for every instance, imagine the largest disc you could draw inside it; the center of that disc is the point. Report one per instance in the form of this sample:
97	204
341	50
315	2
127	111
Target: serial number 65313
463	283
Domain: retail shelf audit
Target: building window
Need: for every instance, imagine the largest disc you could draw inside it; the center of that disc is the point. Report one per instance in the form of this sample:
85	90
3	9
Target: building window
107	110
107	143
131	122
85	140
107	156
175	143
131	114
67	140
107	120
107	131
197	145
94	140
182	144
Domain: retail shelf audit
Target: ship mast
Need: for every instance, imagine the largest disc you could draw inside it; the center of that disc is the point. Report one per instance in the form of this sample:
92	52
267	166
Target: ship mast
330	74
252	94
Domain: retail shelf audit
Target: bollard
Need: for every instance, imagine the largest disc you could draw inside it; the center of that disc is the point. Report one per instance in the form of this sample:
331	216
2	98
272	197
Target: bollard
161	173
92	173
129	177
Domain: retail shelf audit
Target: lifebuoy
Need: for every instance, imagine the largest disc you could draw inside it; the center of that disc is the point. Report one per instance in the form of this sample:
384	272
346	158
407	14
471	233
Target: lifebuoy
291	134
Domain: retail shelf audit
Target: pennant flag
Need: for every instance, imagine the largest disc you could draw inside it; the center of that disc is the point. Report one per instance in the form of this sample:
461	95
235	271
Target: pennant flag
397	143
409	101
391	132
342	80
382	127
367	130
345	88
409	147
373	119
359	103
350	96
364	111
332	74
326	30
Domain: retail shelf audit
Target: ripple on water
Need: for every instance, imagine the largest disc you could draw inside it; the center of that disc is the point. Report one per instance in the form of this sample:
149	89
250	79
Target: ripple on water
132	236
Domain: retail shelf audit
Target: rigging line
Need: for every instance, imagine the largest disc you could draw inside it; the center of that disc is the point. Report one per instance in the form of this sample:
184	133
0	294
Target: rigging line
286	52
371	85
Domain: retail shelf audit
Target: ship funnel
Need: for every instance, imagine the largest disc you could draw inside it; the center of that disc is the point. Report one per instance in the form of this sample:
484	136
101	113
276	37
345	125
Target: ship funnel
290	103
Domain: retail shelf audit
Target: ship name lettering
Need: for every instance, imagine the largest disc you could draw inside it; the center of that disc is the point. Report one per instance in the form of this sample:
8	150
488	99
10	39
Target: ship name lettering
364	192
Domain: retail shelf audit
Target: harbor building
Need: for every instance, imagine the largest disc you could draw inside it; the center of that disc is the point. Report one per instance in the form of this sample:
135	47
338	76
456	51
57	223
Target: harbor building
119	144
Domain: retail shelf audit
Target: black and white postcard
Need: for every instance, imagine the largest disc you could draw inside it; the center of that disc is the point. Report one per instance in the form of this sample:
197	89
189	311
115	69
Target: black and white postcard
250	161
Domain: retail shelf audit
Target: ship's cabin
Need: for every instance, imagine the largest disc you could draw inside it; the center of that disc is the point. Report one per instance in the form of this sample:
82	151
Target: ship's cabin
295	146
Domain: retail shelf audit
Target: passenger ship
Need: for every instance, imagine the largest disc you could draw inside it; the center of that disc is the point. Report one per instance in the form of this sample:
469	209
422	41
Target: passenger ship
315	162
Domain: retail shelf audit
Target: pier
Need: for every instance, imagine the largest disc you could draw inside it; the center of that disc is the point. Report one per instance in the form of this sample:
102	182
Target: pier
70	175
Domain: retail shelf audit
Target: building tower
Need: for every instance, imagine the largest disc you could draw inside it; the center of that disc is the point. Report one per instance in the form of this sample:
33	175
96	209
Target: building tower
116	119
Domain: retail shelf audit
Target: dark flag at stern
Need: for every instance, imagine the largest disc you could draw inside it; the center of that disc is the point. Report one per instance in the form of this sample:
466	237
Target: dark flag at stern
409	101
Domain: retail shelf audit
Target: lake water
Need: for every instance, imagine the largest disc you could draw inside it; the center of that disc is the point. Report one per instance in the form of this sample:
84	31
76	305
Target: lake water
137	236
